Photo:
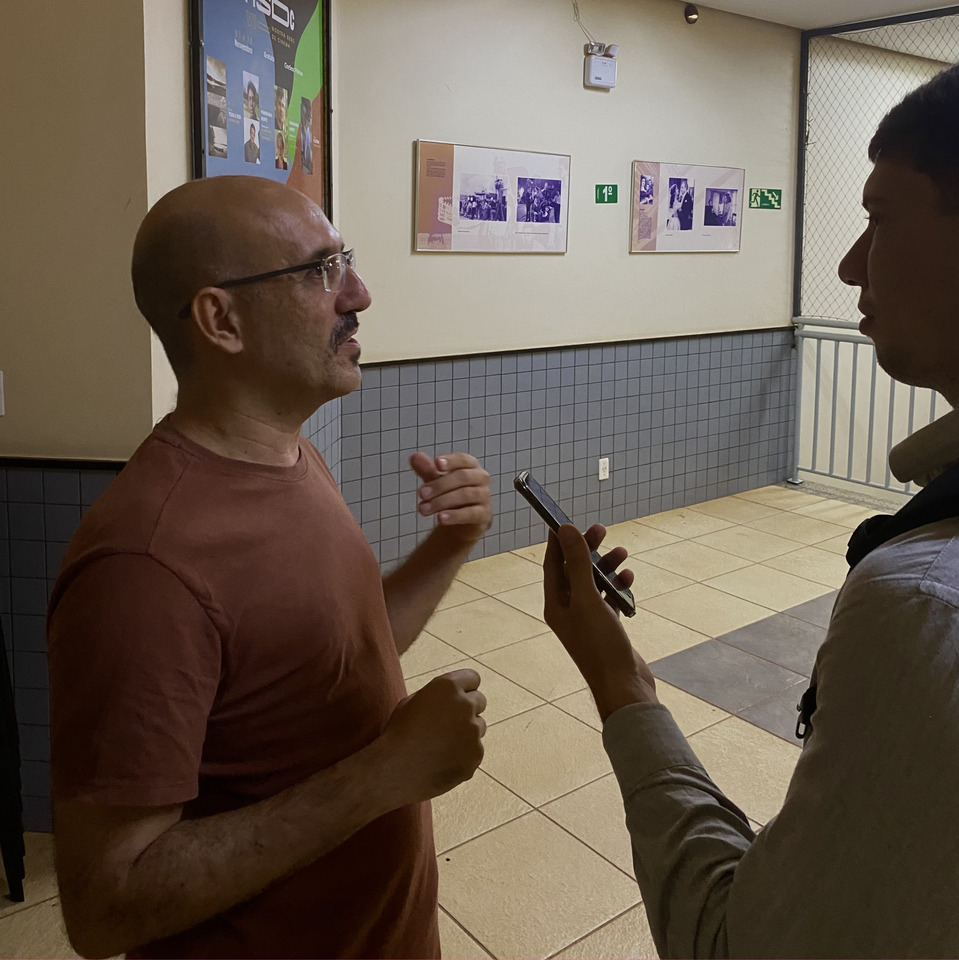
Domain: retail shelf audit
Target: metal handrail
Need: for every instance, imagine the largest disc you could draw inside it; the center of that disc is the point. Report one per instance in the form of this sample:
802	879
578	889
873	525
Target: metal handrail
862	424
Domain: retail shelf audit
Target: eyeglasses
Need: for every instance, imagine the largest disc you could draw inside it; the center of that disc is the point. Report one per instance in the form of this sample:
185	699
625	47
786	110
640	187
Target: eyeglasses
332	269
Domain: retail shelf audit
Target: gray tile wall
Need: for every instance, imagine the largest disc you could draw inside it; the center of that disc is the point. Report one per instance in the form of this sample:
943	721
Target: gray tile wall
40	507
323	431
681	420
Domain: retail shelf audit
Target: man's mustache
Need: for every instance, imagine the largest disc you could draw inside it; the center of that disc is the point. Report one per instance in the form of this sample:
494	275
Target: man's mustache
345	327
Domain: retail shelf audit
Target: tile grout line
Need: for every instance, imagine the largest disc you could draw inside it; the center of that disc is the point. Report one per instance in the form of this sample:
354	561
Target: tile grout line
602	926
475	939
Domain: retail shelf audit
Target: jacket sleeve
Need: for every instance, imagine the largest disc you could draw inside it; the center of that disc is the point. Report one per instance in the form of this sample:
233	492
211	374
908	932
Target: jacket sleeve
861	859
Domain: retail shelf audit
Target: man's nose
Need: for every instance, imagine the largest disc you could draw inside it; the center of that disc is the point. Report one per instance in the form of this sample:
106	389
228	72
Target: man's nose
354	295
852	267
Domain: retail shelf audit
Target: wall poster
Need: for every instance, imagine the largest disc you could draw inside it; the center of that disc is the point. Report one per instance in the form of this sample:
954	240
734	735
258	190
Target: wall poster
681	207
260	81
488	200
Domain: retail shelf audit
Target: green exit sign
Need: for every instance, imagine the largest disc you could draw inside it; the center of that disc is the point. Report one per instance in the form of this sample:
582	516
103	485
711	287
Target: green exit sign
762	198
607	193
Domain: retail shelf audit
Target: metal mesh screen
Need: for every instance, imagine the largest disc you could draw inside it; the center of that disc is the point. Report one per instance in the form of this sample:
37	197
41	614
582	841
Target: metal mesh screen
854	78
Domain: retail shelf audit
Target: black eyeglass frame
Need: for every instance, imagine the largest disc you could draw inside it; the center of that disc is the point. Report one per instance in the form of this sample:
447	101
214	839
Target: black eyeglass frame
348	260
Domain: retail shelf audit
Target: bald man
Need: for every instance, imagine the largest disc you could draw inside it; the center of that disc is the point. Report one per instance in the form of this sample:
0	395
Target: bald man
236	768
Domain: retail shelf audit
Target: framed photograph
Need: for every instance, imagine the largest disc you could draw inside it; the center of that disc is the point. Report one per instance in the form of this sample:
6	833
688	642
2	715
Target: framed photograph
489	200
681	207
260	86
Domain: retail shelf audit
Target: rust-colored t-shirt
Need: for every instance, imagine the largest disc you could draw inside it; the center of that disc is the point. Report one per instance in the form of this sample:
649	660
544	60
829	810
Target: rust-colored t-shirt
219	633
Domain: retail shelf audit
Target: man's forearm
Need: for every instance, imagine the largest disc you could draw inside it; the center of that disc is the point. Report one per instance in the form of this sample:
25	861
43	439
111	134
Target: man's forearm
413	590
200	868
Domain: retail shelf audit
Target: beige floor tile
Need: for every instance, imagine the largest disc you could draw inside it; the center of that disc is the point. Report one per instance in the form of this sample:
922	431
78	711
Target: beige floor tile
427	653
838	545
482	625
595	815
813	563
656	637
734	509
40	882
771	588
539	664
458	593
684	523
504	699
456	943
848	515
690	713
747	543
535	553
694	560
626	936
473	808
706	610
35	932
544	753
498	573
782	497
529	599
582	706
651	581
752	767
796	526
527	889
636	537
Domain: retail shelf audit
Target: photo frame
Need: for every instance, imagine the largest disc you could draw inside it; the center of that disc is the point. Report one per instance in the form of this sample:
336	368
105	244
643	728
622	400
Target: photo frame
681	207
489	200
260	85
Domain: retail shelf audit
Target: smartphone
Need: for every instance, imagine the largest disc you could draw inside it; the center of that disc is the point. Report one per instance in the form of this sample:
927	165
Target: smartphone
550	511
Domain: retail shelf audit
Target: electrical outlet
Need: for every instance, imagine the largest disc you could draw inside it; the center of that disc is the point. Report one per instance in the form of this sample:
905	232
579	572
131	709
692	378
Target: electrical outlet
604	468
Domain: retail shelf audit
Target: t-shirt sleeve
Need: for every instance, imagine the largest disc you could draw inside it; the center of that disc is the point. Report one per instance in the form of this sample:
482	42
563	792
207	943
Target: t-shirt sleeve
134	668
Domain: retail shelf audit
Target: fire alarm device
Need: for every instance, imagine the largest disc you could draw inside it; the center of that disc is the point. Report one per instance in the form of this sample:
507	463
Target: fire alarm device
600	72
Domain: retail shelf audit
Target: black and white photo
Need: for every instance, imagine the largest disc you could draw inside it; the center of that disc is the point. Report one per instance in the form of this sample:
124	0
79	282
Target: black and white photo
647	189
482	197
216	107
538	201
681	197
722	207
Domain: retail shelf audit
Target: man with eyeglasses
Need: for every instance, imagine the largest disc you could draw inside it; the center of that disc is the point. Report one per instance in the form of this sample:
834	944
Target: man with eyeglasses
237	770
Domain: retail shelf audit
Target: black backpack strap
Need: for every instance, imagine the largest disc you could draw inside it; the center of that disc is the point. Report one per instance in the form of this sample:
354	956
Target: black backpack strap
938	501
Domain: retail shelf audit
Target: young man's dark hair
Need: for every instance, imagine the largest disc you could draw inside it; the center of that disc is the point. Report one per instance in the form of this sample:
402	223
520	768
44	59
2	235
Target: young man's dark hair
923	130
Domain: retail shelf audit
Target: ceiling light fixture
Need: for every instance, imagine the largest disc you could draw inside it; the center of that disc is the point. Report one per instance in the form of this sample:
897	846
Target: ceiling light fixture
691	13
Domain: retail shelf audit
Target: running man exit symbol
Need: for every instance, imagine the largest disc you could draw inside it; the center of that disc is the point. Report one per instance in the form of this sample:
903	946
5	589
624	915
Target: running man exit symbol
765	199
607	193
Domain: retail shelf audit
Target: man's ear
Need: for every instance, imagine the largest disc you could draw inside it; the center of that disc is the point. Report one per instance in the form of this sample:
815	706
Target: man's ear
216	321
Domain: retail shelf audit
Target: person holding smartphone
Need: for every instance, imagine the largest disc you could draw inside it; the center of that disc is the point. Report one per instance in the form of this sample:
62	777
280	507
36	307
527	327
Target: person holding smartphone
862	860
237	770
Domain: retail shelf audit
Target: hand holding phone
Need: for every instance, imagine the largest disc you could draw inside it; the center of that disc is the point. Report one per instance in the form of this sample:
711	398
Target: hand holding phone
554	516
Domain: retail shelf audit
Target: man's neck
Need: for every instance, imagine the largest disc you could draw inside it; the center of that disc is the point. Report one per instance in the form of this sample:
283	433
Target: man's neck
238	434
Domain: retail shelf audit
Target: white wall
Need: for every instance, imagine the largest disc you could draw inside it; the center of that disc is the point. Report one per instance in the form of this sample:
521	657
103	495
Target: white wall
74	350
167	114
723	92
